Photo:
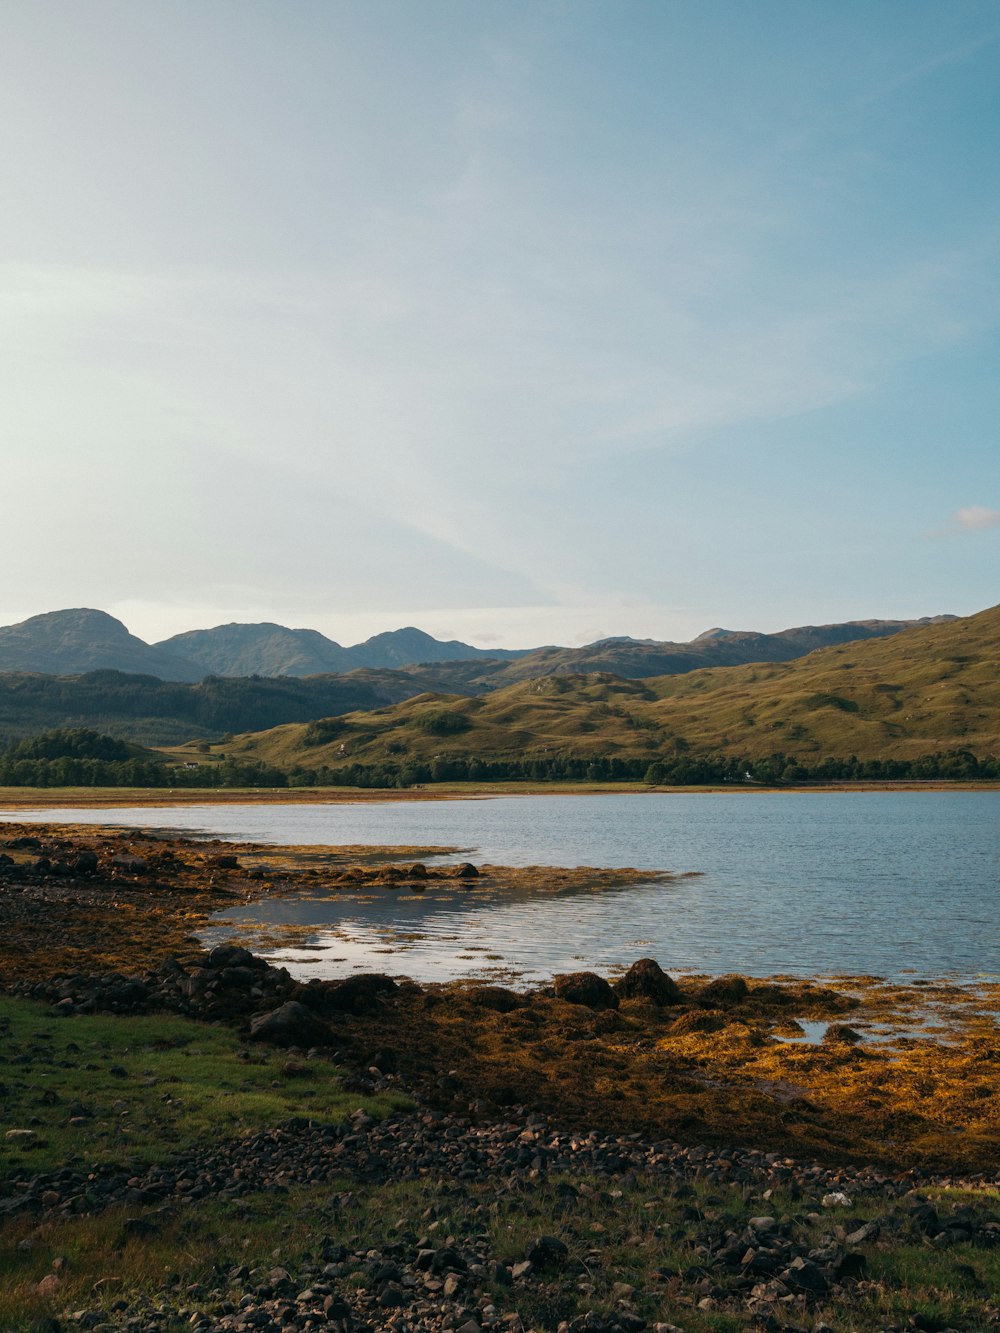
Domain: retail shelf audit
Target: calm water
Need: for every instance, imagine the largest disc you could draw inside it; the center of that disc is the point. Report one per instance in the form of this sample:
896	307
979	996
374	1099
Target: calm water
893	883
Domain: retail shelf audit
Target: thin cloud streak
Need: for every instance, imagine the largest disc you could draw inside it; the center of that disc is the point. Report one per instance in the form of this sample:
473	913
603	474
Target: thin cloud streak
977	518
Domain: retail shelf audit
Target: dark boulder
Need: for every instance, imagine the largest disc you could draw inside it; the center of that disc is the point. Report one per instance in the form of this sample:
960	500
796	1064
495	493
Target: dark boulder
129	863
646	980
292	1024
466	871
231	955
546	1252
359	994
497	998
585	988
723	991
85	863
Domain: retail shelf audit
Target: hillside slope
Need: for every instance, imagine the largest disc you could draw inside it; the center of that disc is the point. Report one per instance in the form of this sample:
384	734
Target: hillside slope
150	711
934	687
639	659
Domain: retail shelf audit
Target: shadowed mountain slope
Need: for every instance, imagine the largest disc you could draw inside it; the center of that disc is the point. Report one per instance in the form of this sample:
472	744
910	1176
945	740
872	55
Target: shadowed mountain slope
61	642
150	711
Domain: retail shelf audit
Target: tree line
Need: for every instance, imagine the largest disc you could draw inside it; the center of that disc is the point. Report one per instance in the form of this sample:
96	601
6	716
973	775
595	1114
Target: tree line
78	757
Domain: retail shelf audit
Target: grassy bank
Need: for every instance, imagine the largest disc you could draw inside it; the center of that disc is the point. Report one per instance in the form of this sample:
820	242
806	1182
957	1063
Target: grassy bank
105	1089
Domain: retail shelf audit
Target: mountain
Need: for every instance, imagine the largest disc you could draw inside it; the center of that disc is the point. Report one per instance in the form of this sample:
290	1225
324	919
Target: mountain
933	687
75	641
402	647
63	642
639	658
260	650
273	650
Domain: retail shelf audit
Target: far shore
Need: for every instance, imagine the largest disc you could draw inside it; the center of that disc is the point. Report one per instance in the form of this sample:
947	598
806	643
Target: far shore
76	798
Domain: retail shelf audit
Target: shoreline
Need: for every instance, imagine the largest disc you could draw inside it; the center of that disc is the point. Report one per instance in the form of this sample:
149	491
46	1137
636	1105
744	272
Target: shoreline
53	798
675	1154
903	1071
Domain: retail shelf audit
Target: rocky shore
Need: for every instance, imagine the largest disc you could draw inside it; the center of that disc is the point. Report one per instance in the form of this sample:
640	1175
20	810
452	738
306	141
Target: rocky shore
592	1155
774	1270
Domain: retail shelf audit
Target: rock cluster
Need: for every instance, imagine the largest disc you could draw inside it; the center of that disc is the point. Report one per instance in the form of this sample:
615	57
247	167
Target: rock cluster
443	1282
232	985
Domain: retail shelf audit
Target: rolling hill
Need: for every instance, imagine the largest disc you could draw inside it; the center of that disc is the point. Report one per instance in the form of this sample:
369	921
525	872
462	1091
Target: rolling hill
934	687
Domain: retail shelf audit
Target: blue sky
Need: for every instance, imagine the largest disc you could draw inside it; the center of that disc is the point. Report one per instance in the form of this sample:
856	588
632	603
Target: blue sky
521	322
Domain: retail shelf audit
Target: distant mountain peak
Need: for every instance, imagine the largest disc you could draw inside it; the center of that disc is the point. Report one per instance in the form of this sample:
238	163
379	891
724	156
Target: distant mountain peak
708	635
80	639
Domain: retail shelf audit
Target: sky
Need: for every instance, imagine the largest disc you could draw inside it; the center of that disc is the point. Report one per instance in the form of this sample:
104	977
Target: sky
521	322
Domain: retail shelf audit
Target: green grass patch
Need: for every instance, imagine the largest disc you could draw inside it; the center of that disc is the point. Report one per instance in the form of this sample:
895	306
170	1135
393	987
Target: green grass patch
104	1088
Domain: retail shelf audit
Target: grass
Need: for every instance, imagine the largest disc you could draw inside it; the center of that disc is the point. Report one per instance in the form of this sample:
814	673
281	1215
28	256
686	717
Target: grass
102	1088
620	1235
926	689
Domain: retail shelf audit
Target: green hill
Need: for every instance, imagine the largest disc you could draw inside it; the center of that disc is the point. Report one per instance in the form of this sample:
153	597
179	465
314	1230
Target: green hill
926	690
156	712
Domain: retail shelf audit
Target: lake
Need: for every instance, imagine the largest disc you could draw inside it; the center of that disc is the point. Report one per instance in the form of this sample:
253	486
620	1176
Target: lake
897	884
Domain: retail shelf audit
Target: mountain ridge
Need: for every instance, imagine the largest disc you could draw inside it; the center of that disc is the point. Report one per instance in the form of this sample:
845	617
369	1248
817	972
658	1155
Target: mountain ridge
79	640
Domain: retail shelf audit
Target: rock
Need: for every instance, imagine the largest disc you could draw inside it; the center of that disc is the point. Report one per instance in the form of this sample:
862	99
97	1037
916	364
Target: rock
230	955
546	1252
646	980
359	994
291	1024
130	864
853	1264
417	871
498	998
723	991
392	1296
20	1136
466	871
803	1275
585	988
85	863
836	1199
867	1232
839	1034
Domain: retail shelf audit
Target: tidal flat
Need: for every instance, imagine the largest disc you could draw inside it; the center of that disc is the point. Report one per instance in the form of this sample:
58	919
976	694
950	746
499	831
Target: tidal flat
612	1152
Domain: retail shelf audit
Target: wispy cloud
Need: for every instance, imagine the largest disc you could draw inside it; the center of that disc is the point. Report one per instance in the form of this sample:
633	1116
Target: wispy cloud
977	517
